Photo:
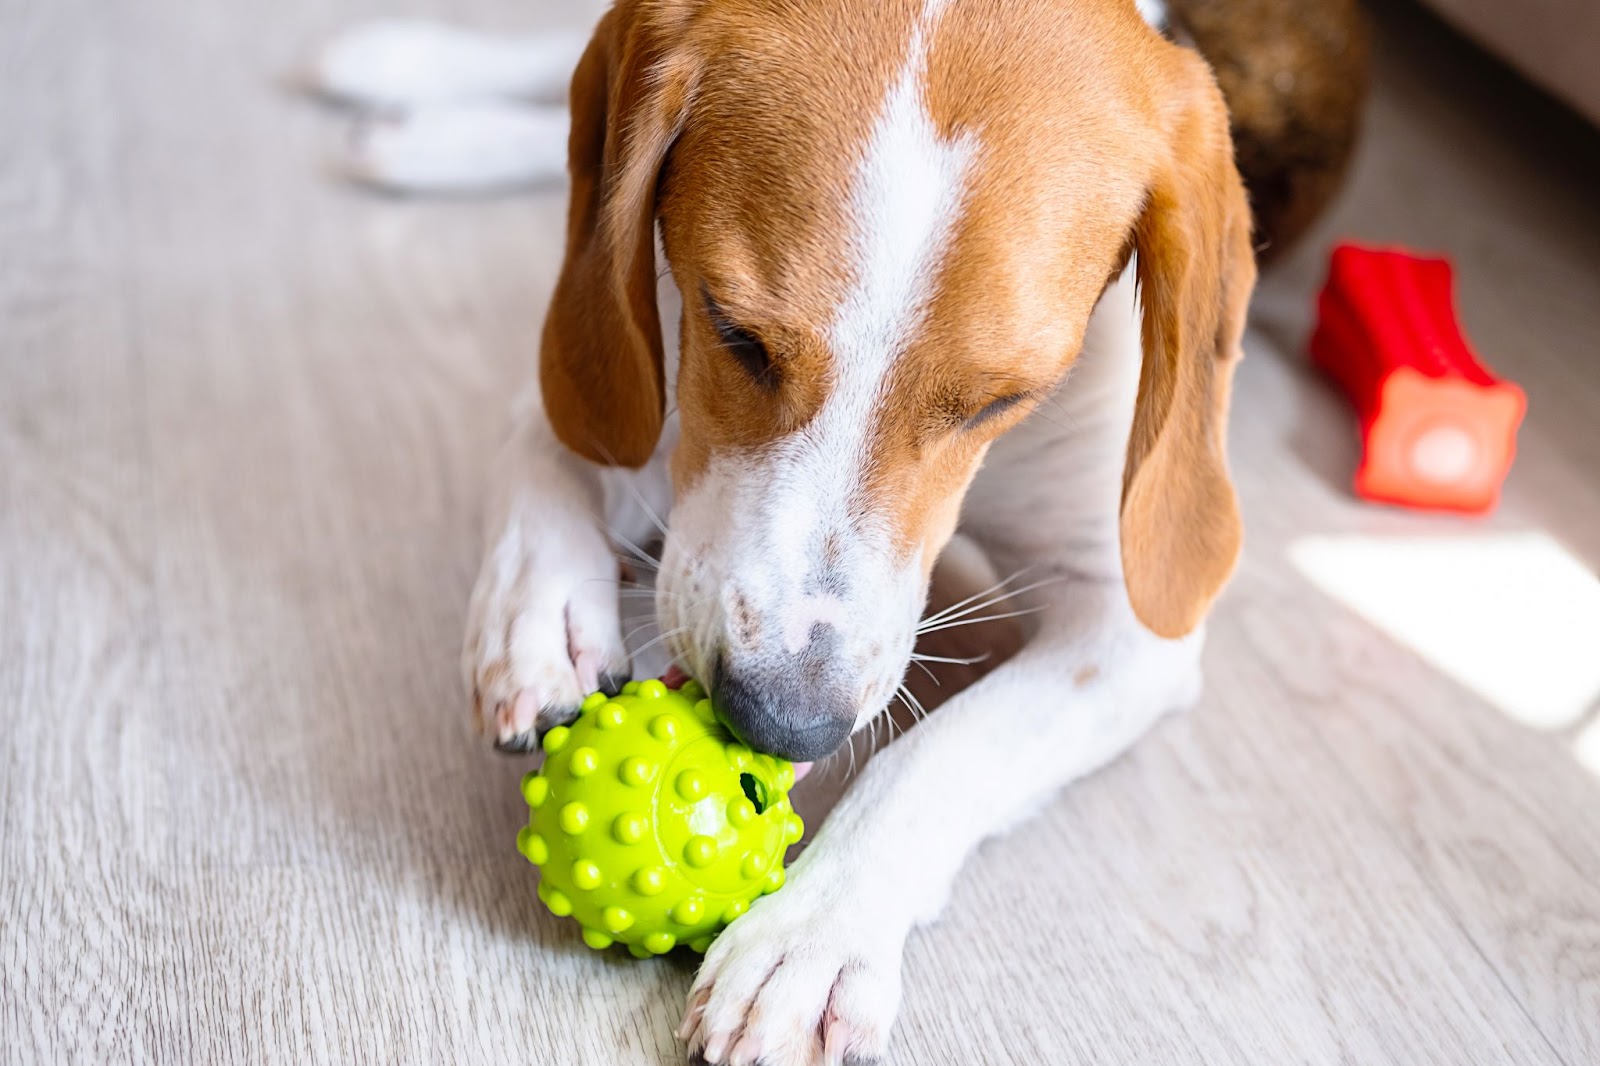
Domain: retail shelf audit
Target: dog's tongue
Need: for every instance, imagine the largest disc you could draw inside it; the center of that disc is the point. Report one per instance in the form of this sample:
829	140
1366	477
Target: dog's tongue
675	677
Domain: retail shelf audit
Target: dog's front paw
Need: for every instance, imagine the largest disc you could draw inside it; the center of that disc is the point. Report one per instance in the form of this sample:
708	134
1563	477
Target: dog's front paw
542	630
802	979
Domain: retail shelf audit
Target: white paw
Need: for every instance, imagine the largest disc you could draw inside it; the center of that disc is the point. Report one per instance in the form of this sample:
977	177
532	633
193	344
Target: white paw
404	62
802	979
459	148
542	629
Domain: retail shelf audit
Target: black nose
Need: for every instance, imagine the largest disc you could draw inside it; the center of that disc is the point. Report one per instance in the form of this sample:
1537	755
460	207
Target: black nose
781	714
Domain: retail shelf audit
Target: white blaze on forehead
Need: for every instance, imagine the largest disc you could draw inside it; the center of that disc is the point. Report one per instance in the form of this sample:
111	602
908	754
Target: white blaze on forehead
904	202
906	196
785	528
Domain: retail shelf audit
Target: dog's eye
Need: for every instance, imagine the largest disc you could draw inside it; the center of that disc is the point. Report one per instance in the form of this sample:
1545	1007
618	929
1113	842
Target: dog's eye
745	347
748	351
994	410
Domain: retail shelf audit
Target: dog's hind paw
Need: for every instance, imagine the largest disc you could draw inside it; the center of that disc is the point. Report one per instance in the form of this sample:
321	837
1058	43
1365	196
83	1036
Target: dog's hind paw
402	62
480	147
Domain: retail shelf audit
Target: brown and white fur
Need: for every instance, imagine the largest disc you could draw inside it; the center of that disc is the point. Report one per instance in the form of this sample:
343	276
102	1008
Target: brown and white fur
924	265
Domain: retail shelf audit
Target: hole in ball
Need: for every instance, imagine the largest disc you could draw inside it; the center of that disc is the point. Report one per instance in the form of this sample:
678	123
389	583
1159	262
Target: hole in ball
754	791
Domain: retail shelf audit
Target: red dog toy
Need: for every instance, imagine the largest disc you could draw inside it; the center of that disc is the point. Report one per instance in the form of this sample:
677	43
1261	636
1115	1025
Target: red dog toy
1439	431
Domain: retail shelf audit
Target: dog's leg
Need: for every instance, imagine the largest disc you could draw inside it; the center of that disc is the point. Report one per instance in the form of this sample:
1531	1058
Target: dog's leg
448	110
403	63
542	625
812	974
459	148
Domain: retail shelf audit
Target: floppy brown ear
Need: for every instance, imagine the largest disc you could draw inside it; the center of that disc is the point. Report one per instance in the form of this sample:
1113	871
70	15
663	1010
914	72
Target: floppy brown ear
1180	525
600	364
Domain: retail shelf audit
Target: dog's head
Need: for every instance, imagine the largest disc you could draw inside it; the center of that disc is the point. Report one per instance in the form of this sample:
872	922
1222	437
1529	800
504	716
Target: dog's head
890	222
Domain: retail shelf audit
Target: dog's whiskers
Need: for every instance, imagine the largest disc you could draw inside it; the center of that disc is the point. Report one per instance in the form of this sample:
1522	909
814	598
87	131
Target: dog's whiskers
644	505
958	623
631	588
668	635
640	628
900	695
919	659
645	592
911	702
639	555
636	556
996	587
950	614
638	496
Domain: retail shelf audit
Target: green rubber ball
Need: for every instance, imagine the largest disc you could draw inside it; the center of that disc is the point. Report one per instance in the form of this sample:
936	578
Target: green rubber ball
651	825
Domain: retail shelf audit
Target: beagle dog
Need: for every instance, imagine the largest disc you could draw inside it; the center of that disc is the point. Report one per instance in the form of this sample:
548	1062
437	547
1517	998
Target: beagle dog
842	278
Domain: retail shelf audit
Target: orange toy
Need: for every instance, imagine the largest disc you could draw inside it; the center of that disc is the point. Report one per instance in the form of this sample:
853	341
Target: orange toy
1439	431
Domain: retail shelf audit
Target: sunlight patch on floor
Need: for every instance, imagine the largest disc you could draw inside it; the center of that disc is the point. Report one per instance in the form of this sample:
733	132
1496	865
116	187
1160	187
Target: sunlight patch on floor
1587	747
1514	617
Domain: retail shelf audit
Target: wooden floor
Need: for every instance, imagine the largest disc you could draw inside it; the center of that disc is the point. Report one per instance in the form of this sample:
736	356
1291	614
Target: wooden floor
244	413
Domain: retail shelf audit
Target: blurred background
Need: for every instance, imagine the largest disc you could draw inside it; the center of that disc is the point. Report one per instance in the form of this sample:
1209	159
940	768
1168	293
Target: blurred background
245	413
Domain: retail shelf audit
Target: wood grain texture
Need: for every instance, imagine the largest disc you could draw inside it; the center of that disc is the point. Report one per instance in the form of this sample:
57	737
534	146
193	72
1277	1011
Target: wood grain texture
244	414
